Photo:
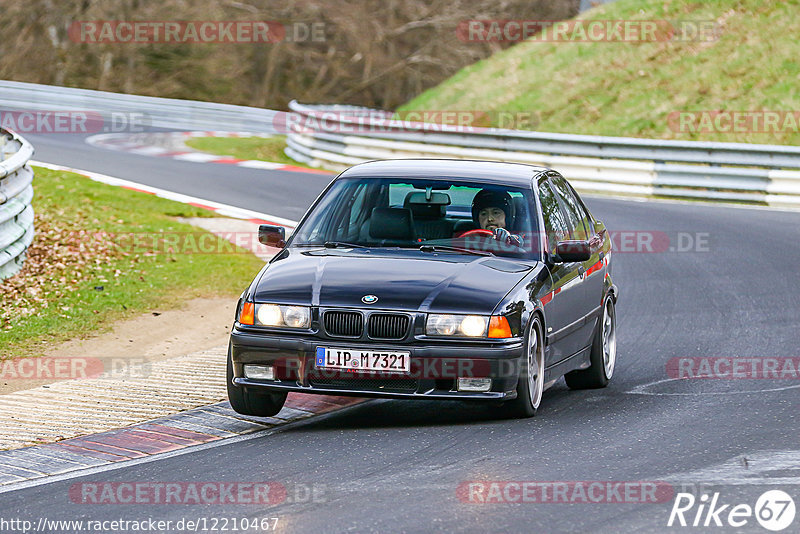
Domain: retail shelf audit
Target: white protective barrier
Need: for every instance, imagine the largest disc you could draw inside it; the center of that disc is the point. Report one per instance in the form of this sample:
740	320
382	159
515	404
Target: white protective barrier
16	193
336	137
763	174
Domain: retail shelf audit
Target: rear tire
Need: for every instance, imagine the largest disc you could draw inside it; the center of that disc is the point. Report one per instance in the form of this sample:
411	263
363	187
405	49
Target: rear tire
249	403
604	353
530	385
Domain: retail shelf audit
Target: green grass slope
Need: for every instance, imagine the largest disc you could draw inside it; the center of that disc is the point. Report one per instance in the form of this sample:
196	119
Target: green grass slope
633	88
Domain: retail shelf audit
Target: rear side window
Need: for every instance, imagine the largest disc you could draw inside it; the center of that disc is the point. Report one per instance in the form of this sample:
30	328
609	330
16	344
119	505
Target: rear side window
555	226
572	208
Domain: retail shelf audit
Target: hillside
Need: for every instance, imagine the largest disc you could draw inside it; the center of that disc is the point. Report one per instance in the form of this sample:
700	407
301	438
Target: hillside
645	89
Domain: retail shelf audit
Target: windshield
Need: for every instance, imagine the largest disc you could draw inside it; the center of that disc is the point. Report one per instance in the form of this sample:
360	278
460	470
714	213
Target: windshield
434	215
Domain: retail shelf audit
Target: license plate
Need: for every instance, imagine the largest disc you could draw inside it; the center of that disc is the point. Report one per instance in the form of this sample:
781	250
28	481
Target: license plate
363	360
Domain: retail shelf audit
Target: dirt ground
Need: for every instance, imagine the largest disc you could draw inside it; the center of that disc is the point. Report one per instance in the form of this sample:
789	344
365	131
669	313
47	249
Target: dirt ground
201	324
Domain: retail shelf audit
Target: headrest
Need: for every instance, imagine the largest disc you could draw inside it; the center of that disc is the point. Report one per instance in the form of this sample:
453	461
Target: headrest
520	212
391	223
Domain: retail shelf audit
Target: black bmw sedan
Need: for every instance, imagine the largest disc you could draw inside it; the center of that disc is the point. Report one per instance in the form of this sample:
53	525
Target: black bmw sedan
430	279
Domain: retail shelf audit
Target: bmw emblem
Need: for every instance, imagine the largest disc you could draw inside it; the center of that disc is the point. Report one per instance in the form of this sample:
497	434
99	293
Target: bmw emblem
369	299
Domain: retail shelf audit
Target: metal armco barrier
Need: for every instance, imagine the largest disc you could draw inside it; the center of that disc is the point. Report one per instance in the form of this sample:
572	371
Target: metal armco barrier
16	193
130	113
339	136
765	174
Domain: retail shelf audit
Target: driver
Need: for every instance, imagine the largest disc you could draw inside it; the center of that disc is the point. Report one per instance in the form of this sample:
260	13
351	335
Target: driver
494	211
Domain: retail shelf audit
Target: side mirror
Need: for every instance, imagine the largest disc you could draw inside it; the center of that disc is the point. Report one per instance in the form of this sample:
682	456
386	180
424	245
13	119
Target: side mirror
272	236
569	251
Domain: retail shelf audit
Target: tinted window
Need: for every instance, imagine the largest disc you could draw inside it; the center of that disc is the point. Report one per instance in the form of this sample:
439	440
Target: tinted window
399	213
587	219
573	211
556	227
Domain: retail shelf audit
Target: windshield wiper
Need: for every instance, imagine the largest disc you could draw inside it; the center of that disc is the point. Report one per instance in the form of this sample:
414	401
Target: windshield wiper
342	244
330	244
437	248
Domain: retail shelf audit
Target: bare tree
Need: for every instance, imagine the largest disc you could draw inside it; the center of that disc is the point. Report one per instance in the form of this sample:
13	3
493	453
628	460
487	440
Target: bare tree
376	53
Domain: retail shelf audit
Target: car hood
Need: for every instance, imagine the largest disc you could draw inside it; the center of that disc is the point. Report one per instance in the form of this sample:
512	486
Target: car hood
402	280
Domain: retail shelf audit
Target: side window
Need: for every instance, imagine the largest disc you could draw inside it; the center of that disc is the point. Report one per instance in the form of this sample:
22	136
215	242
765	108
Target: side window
574	211
555	226
584	212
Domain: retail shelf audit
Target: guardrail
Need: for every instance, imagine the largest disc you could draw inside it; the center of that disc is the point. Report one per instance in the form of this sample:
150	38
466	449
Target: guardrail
16	193
168	113
336	137
765	174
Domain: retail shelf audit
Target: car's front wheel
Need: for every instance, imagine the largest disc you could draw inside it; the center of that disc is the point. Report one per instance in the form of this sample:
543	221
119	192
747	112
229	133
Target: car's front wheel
604	353
249	403
530	385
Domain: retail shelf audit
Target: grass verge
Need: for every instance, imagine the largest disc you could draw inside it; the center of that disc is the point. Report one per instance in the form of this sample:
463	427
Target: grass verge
104	253
249	148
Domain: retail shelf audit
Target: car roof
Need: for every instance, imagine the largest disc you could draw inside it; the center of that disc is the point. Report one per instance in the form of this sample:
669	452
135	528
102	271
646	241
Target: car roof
516	174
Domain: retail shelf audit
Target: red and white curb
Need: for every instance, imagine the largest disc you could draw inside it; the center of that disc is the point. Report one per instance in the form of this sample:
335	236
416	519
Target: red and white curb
172	145
221	209
144	441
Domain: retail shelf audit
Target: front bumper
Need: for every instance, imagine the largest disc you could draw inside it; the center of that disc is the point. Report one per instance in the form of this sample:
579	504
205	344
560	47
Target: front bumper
435	367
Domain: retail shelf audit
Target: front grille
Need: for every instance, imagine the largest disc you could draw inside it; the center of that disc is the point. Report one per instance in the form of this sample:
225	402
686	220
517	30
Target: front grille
387	326
344	323
367	384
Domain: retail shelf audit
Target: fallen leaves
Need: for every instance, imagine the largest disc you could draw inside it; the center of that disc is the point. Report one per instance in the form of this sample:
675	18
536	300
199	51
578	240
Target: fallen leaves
61	258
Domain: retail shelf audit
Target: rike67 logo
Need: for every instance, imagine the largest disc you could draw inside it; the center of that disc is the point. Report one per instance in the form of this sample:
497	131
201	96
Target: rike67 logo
774	510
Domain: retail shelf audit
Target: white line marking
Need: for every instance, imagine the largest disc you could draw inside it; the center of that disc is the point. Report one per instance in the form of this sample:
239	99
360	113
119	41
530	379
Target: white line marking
256	164
148	150
230	211
642	389
15	486
198	157
763	467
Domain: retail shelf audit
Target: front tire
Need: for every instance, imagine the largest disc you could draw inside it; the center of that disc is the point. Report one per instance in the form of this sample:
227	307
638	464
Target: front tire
530	385
604	353
249	403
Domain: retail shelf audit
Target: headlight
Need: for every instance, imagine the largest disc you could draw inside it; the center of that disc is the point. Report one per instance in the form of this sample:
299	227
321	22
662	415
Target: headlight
296	316
456	325
287	316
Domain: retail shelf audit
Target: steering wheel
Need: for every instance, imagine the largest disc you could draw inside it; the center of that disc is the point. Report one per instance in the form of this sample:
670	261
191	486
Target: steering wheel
478	231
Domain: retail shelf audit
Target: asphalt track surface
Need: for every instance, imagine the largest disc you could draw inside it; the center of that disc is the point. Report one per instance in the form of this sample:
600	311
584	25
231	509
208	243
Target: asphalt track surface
396	466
